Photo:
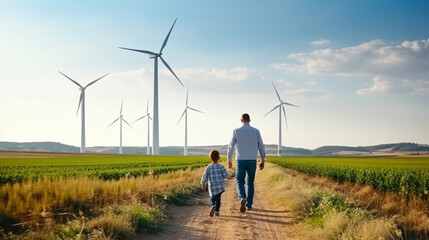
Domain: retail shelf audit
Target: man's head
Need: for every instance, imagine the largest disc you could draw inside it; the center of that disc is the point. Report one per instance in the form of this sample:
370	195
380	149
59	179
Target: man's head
214	155
245	118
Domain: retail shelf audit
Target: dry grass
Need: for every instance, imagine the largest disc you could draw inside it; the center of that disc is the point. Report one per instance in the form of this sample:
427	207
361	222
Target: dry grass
409	212
44	204
297	194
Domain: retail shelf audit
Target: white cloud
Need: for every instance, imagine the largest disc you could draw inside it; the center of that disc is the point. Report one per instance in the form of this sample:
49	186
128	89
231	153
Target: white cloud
321	42
388	65
237	74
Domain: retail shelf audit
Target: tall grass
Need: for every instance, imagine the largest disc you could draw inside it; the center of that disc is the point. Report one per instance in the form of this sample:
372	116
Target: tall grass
321	213
44	204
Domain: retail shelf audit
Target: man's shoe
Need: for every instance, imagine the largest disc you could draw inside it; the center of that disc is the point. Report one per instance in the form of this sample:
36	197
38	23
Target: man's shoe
243	205
249	208
212	211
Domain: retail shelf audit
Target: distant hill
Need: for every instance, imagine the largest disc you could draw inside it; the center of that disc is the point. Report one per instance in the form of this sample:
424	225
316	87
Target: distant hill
271	149
38	146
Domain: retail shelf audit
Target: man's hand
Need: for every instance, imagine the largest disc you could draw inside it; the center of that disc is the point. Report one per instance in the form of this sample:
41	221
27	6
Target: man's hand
229	164
261	165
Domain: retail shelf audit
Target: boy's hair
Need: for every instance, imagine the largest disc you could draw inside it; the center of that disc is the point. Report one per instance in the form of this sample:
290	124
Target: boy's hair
214	155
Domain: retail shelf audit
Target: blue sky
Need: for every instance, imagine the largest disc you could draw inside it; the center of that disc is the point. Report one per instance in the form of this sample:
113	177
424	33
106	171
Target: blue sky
357	69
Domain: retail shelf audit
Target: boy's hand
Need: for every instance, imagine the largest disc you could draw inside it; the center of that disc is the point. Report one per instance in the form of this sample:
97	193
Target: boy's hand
229	164
261	165
204	187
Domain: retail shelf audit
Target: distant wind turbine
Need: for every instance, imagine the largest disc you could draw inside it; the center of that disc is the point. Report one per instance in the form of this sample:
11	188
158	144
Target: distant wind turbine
82	101
148	126
185	113
155	56
121	119
280	106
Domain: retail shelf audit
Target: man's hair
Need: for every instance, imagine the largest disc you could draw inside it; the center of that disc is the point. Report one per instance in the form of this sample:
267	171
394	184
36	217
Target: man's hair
214	155
245	117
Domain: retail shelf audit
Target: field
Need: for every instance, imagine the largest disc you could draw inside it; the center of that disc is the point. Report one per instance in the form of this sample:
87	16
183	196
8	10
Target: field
408	175
104	167
119	196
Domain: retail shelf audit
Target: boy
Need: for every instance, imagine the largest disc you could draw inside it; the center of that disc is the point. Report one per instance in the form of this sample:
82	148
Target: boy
214	175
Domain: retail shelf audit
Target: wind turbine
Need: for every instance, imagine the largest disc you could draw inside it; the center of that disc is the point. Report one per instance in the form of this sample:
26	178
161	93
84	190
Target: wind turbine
82	101
121	119
148	126
280	106
185	113
155	56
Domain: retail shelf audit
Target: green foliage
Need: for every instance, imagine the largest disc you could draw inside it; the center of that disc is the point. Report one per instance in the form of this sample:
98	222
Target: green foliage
18	170
401	175
143	219
324	204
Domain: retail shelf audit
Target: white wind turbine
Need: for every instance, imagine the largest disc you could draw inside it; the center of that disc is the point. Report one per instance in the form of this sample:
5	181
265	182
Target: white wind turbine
185	113
82	101
148	126
121	119
155	56
280	106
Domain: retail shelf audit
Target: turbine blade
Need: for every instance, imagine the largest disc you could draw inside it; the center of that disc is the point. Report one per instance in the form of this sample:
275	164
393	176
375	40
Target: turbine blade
71	79
289	104
171	70
284	113
127	123
187	91
166	38
80	101
140	51
272	110
278	96
147	107
113	122
121	106
196	110
140	118
89	84
183	114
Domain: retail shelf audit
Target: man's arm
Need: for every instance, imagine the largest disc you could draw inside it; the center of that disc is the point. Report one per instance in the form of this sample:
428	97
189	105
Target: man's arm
231	149
261	149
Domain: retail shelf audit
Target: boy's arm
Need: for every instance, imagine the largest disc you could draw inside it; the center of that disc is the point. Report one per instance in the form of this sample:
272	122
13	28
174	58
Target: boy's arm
225	174
204	178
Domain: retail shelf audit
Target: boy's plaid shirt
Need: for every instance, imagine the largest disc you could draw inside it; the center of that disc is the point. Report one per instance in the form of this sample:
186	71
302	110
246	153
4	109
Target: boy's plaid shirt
214	175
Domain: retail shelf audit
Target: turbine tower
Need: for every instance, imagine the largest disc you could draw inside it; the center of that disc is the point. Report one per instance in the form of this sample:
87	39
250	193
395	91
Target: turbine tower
280	106
185	113
148	126
155	56
121	119
82	101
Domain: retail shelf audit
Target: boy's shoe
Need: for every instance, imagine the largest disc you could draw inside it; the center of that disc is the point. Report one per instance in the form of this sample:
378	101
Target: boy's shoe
249	208
216	213
212	210
243	205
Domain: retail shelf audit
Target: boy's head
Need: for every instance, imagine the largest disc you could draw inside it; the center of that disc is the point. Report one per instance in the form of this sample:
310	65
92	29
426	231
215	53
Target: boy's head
214	155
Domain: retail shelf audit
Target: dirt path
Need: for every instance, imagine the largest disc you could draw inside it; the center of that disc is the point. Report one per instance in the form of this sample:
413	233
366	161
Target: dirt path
264	221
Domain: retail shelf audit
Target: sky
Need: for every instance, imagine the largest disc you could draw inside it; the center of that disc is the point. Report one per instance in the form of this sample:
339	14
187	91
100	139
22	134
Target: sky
358	70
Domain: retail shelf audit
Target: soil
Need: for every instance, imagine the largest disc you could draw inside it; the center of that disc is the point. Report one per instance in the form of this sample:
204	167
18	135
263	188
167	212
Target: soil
264	221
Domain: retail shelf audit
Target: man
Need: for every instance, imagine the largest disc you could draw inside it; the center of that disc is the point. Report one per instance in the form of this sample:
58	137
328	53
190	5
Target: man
246	142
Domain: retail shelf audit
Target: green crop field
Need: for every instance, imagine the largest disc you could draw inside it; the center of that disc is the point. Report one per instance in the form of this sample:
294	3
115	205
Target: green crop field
408	175
106	167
